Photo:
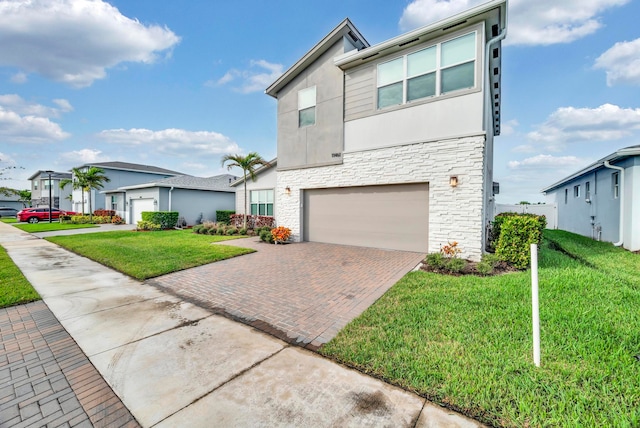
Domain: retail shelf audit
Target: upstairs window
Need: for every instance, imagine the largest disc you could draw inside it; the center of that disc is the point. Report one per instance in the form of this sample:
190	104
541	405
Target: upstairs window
35	184
436	70
576	191
307	107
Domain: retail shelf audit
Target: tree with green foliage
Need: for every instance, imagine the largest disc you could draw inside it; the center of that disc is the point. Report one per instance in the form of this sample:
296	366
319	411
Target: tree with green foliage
86	180
248	165
24	196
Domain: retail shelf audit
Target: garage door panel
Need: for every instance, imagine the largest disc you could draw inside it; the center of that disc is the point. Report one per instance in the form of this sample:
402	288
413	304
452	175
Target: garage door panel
138	206
392	216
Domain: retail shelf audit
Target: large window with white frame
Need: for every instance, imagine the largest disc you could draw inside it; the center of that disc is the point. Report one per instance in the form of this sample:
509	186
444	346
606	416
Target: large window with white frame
261	202
436	70
307	107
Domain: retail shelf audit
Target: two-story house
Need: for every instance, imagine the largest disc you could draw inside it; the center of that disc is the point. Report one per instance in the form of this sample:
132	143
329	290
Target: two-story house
120	174
42	187
391	145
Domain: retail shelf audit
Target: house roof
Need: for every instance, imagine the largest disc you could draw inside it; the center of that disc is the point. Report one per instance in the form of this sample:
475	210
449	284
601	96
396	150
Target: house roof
126	166
258	171
352	59
218	183
345	28
54	174
612	158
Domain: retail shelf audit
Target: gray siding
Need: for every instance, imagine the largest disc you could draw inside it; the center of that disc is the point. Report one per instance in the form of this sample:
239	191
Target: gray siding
191	203
359	92
120	178
313	145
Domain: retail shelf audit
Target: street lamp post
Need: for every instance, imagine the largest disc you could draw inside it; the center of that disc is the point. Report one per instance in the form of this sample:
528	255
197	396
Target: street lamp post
49	172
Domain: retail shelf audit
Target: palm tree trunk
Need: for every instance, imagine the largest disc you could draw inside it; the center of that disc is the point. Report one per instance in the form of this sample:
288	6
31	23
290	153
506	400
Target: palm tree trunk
245	199
82	197
90	209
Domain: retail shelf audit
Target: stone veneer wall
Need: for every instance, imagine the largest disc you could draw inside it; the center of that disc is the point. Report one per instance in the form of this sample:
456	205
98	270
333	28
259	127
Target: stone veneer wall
455	214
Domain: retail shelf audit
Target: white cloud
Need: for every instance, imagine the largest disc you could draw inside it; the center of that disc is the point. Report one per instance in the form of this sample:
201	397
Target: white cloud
540	22
524	148
19	105
257	77
75	41
173	142
19	78
78	157
508	127
547	162
622	63
28	129
605	123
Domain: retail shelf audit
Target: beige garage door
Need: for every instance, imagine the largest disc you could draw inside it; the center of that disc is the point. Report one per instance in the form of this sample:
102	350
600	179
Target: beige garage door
392	216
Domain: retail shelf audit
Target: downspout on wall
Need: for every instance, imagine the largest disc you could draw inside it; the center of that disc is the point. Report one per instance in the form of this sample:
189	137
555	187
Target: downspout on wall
170	190
621	195
488	119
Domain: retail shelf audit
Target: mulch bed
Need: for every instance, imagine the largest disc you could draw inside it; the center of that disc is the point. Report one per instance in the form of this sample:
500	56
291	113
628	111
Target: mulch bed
470	269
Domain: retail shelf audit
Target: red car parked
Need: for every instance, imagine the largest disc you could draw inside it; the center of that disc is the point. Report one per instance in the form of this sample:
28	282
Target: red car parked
34	215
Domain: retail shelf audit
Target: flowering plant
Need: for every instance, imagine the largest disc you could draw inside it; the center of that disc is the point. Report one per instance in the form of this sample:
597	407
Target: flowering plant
280	234
450	250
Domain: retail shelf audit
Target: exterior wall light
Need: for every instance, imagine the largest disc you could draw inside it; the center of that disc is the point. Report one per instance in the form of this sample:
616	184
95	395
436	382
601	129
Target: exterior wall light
453	181
287	190
155	202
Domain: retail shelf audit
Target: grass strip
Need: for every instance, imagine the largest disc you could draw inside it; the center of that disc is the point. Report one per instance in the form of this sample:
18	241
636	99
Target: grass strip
14	287
144	255
50	227
465	342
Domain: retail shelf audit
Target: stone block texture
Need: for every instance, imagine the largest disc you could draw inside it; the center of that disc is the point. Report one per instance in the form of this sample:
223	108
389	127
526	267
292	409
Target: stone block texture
455	213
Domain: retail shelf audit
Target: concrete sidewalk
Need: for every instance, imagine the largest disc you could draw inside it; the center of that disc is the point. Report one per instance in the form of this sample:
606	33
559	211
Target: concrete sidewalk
176	364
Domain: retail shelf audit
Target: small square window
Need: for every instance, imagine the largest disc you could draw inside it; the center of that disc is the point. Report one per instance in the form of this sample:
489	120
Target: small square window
307	107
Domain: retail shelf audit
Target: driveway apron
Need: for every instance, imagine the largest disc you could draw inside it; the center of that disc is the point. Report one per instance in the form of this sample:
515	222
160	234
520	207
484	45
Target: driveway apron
303	293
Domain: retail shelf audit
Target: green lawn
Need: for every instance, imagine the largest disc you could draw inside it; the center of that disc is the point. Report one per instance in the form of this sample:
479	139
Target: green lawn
465	342
14	287
45	226
9	220
145	255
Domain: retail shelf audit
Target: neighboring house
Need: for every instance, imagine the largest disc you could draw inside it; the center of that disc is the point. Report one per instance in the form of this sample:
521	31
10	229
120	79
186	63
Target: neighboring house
40	190
261	197
602	201
195	198
391	146
11	201
120	174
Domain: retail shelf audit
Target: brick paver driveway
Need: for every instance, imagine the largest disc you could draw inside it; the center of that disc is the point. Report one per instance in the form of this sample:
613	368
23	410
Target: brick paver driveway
303	292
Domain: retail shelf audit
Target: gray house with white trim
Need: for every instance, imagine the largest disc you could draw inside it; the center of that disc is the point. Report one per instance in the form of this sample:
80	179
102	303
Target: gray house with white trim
195	198
120	174
261	191
602	200
391	145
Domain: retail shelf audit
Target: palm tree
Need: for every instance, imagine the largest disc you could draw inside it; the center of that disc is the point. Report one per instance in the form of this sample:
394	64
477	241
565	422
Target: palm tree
94	178
77	182
248	165
85	180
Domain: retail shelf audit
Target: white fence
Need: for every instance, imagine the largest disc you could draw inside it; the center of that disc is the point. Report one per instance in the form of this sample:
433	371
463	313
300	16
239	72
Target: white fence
550	211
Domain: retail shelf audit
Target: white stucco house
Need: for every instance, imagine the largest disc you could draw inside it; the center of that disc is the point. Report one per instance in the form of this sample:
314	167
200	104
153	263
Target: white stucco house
602	200
391	145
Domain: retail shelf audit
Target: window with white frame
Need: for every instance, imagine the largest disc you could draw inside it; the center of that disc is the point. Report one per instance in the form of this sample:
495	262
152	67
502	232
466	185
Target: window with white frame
307	107
587	190
35	184
566	195
47	184
114	202
615	182
576	191
445	67
261	202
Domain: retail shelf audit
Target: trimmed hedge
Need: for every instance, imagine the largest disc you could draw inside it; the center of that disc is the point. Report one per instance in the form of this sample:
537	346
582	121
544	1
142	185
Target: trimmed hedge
166	219
496	226
517	233
224	216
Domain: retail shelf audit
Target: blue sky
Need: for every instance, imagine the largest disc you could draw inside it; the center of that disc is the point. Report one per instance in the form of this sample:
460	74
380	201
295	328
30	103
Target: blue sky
179	84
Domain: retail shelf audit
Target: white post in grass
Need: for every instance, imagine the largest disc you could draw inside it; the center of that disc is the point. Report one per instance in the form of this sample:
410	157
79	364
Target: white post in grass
535	306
